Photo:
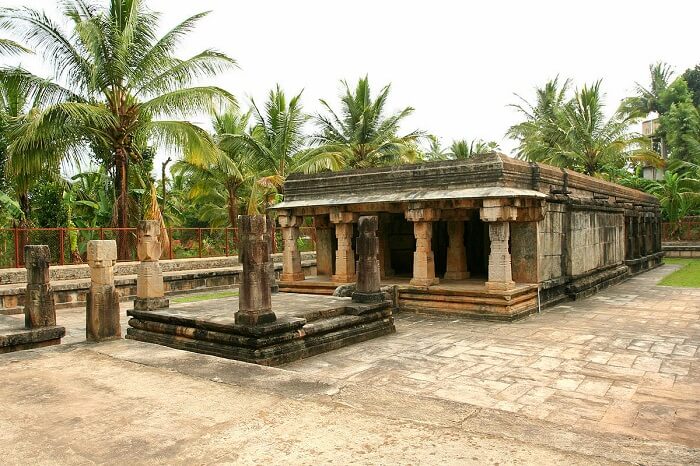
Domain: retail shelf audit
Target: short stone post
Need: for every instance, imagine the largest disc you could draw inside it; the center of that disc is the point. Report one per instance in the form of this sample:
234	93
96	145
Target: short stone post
254	299
39	307
150	293
456	252
270	237
103	315
368	285
423	257
291	258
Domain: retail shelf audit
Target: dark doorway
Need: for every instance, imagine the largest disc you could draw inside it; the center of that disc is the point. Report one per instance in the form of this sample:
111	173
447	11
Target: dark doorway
476	238
439	244
402	244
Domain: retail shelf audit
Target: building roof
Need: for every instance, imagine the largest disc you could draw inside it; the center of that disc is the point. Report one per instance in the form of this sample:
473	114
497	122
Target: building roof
490	175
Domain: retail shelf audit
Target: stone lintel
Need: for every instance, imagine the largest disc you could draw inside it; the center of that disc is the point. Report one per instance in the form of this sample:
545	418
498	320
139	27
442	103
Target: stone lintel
416	212
287	220
498	210
340	216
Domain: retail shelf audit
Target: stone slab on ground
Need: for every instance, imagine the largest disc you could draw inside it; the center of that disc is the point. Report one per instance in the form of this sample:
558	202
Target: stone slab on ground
131	402
15	337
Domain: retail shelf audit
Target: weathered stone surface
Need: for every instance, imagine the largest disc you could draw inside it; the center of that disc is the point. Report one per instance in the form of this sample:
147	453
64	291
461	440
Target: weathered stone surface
423	257
150	291
345	291
102	316
270	238
148	247
500	274
344	255
39	308
255	304
13	337
368	280
291	259
456	252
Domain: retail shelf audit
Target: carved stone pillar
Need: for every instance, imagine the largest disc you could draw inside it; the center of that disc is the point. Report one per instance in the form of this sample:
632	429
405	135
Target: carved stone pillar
270	238
102	317
324	246
39	307
498	212
423	257
368	281
291	258
150	292
456	252
254	300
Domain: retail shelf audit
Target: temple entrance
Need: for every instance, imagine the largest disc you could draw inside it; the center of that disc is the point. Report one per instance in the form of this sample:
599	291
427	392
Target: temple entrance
476	238
402	244
440	244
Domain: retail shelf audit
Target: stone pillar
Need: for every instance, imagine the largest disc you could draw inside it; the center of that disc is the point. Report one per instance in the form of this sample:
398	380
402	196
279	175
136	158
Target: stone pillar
150	293
39	307
324	246
385	269
456	252
345	255
254	300
500	274
499	212
423	257
270	238
291	258
102	320
368	280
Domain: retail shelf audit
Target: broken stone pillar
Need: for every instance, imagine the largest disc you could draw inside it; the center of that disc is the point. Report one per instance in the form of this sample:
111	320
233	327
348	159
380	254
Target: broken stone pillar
500	271
254	300
368	280
423	257
324	246
344	255
456	252
291	258
270	237
150	293
102	316
39	307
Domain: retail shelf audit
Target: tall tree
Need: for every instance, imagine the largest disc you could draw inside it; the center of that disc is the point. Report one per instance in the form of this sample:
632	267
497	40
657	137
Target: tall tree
576	134
363	134
464	149
648	99
124	88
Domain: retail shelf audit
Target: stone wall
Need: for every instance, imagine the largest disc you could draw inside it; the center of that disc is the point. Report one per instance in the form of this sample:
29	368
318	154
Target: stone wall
596	240
551	240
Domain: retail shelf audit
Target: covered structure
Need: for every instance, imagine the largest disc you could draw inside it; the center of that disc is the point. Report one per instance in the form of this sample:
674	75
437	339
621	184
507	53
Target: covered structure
480	236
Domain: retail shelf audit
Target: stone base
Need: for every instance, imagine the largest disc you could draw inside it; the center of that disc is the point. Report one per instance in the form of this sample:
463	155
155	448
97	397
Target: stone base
150	304
14	337
502	286
257	318
343	278
424	281
358	297
456	275
287	339
102	320
292	277
645	263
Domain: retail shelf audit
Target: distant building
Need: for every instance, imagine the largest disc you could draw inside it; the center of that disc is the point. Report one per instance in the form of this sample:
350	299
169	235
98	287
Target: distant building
649	129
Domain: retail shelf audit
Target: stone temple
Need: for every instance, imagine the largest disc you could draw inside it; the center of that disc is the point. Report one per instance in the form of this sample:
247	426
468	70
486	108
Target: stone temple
490	237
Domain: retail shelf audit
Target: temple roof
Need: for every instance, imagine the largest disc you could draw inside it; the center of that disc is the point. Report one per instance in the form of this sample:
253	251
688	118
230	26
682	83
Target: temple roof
492	175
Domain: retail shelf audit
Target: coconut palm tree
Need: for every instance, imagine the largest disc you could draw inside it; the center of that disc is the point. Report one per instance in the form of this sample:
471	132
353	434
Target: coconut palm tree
463	149
124	89
576	134
217	185
648	99
362	134
277	144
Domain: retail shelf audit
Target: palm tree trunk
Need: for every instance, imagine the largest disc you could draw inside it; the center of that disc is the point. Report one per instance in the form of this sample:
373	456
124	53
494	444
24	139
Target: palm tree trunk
121	185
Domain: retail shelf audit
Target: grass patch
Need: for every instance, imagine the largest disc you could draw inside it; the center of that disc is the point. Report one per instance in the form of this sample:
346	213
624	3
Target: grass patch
688	275
193	298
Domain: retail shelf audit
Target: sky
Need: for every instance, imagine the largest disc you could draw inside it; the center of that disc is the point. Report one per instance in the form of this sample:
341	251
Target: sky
458	63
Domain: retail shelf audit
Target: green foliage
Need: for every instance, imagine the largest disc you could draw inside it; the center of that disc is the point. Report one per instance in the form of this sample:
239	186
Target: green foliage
574	133
464	149
692	78
648	99
362	134
49	210
687	276
681	128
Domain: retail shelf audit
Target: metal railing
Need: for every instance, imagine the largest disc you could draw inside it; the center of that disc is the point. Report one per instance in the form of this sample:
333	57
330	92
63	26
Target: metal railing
681	231
184	243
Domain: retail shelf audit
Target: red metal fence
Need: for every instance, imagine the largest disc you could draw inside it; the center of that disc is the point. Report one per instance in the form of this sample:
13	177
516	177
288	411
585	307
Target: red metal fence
184	243
681	231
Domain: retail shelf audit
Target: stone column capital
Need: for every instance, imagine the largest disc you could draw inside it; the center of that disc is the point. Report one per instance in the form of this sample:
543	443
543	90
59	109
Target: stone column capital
498	210
417	213
340	216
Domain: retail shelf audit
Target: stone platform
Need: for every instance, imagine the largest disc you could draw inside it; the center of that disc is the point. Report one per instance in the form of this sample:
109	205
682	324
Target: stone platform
306	325
467	298
15	337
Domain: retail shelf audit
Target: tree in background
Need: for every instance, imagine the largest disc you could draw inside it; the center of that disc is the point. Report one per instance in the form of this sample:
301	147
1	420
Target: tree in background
362	134
124	90
649	99
574	133
464	149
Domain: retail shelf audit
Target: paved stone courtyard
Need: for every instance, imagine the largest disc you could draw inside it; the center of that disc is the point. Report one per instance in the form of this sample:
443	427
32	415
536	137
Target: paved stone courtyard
615	377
